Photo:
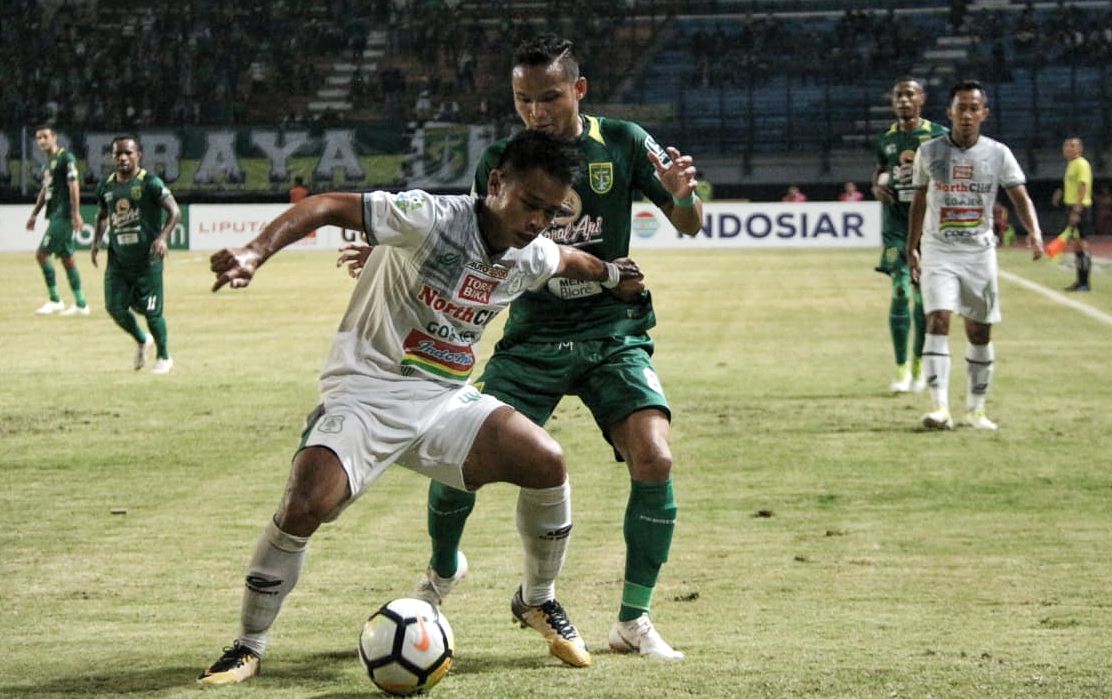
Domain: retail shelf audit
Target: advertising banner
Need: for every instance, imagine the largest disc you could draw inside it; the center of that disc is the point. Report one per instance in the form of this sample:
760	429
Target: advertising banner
216	226
14	236
764	225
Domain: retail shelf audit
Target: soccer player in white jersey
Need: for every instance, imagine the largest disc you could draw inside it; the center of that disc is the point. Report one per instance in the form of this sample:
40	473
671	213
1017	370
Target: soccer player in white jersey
395	388
956	178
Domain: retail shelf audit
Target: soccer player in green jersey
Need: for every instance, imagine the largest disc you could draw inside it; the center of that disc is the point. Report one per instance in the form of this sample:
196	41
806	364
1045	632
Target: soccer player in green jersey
895	153
61	195
131	201
575	338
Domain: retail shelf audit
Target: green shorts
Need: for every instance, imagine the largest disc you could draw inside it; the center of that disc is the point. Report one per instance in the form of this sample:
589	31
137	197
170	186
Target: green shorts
58	239
614	377
893	260
139	289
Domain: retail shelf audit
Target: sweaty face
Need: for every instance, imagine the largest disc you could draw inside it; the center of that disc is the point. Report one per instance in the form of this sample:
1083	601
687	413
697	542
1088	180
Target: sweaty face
522	206
126	155
547	100
907	99
967	112
46	140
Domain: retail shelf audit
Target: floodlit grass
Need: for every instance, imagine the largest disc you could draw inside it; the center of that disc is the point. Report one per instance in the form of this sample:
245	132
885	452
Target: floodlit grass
825	547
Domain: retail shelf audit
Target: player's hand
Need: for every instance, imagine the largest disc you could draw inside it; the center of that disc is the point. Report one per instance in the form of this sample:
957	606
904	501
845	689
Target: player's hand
31	223
678	176
913	265
94	251
158	249
354	255
631	283
234	267
77	222
884	194
1036	245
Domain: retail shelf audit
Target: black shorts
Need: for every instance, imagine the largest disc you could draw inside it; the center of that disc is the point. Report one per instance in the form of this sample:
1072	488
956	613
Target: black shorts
1085	225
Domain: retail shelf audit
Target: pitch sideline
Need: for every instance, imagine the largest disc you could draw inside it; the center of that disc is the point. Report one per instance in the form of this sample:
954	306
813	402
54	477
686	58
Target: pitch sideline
1058	297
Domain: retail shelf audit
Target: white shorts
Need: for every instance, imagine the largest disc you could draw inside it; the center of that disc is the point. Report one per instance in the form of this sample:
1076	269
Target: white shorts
422	425
964	282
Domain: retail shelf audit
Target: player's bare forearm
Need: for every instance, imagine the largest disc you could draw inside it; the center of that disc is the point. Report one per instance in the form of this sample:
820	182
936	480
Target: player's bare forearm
98	233
687	219
582	266
915	232
75	204
237	266
344	209
1025	209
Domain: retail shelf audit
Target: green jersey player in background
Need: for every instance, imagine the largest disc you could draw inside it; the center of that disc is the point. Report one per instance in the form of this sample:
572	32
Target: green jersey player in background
576	338
61	195
895	153
131	201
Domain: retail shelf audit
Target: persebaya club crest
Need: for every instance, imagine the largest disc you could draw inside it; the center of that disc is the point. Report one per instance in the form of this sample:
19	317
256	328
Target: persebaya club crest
601	176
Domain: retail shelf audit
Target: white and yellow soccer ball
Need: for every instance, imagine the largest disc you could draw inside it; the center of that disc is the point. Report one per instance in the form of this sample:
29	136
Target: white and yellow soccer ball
406	646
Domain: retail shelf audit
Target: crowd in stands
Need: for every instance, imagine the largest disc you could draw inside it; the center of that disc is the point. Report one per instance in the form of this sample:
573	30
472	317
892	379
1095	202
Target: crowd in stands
754	48
108	62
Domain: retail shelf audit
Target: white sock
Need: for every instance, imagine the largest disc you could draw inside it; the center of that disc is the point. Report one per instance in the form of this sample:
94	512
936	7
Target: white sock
544	523
936	367
978	366
271	575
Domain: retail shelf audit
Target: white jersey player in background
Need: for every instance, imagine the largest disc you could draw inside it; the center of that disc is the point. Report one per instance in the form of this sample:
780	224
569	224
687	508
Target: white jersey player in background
956	178
395	386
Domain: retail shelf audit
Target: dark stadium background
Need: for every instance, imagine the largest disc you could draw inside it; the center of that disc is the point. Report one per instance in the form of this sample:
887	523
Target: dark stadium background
762	92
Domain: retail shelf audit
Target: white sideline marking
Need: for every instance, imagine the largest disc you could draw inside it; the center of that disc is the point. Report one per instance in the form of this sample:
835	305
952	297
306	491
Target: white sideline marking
1058	298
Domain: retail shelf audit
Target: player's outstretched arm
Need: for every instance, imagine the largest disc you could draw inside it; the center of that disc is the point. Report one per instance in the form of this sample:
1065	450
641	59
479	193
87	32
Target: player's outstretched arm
678	177
237	266
622	276
1025	208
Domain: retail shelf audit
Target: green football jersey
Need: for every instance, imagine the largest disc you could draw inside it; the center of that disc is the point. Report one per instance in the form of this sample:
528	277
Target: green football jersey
60	168
595	218
134	216
895	152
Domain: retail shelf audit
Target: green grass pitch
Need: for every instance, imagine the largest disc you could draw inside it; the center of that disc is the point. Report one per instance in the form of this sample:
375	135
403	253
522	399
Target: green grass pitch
825	546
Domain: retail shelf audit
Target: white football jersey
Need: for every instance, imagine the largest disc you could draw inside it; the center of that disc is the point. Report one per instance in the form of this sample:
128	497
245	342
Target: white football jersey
427	290
961	185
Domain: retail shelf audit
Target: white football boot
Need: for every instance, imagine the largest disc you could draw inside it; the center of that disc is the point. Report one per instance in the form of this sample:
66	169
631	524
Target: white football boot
50	308
640	636
433	589
978	421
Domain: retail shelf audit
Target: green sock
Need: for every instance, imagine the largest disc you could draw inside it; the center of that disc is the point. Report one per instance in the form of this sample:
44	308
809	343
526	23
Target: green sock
899	324
158	329
51	281
650	520
74	278
126	320
448	511
919	320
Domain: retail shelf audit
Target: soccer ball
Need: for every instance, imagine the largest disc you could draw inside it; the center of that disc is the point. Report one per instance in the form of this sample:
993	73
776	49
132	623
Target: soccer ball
406	646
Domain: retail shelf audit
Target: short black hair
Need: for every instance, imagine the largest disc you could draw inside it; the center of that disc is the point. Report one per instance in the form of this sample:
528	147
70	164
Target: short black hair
908	79
45	127
544	49
128	137
535	150
969	85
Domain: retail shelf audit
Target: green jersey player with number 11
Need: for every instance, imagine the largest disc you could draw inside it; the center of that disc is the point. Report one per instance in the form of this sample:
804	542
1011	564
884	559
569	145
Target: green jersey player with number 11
577	338
131	201
895	153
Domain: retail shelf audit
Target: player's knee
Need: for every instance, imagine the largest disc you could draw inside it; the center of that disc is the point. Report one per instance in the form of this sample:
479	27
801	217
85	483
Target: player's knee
547	467
654	465
116	312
